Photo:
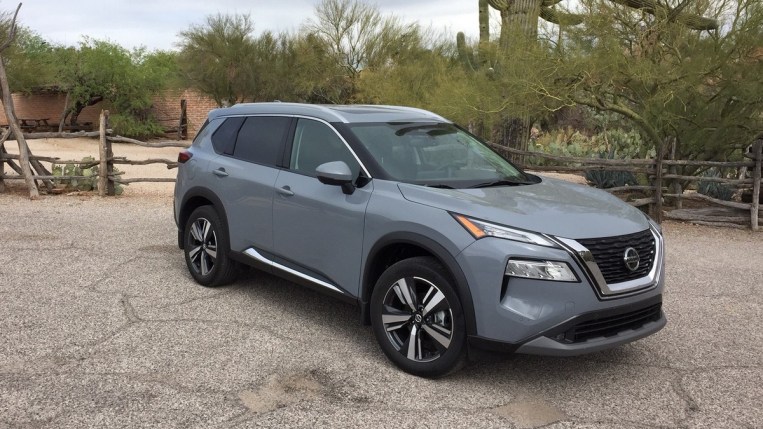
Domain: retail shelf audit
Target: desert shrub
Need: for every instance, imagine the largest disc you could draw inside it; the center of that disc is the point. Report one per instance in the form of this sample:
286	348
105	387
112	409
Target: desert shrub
90	173
716	190
131	126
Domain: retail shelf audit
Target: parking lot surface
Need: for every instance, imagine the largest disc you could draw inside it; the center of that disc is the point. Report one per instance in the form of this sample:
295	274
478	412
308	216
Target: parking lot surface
102	326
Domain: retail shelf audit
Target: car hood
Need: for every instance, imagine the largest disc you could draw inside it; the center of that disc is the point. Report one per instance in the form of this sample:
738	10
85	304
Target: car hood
552	206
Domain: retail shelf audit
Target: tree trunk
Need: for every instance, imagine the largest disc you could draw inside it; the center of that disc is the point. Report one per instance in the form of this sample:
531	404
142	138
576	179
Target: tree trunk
64	114
2	168
13	123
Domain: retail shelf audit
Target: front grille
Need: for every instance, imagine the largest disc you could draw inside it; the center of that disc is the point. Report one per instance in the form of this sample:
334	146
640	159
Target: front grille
609	254
612	325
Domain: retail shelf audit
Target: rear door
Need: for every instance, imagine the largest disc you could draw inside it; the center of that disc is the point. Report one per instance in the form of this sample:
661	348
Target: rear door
245	173
318	230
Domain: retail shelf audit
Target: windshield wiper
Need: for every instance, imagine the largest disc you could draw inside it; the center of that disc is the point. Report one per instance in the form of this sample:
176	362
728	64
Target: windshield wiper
502	182
439	186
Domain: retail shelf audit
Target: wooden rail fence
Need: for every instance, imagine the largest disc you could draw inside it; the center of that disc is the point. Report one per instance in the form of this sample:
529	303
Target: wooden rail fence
664	182
106	176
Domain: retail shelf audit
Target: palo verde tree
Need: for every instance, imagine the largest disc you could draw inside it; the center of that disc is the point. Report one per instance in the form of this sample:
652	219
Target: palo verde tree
519	28
218	58
701	90
357	37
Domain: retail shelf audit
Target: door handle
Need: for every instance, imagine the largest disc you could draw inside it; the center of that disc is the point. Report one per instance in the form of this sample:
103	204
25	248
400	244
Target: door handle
285	191
220	172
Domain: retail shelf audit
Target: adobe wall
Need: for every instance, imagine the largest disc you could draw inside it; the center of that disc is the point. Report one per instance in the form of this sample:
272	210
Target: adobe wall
166	108
48	105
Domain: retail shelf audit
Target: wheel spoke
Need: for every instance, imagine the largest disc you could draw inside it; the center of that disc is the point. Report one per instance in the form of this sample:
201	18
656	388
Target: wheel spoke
394	319
204	264
207	227
212	252
194	253
441	339
413	351
435	300
404	291
196	232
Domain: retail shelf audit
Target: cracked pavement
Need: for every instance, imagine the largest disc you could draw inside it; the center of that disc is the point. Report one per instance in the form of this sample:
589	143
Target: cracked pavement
101	326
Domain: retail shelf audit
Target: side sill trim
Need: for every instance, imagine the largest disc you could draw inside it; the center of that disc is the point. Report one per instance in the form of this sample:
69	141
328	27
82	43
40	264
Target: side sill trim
257	256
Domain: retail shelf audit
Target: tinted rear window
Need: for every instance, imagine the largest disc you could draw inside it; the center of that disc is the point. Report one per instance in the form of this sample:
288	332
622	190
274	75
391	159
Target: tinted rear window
224	138
261	139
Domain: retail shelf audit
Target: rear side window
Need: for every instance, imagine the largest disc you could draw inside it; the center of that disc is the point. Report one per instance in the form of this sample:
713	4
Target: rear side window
224	138
261	139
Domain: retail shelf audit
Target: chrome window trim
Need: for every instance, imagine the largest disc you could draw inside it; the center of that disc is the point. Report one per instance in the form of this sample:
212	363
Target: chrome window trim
585	260
257	256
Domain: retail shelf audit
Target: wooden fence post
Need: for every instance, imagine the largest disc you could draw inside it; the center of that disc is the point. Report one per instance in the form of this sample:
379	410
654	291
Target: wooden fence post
2	167
656	205
103	169
675	184
183	122
757	151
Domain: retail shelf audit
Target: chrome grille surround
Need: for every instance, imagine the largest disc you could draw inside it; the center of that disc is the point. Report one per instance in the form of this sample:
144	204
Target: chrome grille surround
604	290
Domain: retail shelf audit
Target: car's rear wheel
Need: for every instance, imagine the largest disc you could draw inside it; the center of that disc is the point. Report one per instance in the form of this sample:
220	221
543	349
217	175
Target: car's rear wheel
417	318
206	249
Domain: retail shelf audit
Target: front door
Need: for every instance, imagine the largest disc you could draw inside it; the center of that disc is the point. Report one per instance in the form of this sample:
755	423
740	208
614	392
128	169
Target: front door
317	229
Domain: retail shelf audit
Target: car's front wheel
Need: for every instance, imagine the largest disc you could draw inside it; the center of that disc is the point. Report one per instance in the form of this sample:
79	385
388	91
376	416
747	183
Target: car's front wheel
417	318
206	249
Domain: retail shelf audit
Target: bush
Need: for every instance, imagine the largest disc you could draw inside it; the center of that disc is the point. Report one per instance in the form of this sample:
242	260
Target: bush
129	126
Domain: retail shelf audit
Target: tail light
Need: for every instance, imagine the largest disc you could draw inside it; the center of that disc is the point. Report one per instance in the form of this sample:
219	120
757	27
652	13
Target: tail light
184	156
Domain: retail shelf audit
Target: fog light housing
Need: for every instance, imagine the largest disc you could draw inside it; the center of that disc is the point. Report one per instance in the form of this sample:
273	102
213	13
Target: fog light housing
541	270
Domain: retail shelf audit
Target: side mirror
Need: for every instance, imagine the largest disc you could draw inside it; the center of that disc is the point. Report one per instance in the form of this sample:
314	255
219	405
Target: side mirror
336	173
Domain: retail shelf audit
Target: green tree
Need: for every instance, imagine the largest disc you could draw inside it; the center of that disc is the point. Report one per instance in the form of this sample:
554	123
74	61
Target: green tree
703	91
30	61
357	37
100	71
218	58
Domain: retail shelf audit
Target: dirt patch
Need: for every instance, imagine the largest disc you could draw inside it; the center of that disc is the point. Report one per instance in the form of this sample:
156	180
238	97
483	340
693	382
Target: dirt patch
282	391
530	413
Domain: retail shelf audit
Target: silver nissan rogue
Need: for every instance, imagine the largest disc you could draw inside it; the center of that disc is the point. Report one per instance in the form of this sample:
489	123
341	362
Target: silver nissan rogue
442	243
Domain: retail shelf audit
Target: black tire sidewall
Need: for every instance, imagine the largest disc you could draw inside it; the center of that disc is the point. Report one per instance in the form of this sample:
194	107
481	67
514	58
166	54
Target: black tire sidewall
429	269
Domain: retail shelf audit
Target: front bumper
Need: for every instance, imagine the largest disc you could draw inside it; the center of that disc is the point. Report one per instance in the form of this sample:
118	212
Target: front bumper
546	317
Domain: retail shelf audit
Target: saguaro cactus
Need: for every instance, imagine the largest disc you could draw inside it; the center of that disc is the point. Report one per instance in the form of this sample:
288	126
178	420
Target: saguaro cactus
522	15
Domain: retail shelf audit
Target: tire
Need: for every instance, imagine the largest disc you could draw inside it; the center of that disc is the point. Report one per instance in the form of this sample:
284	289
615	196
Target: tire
415	299
206	249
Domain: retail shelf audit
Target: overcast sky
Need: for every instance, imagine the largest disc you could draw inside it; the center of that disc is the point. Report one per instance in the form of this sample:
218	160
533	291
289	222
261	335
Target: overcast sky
156	23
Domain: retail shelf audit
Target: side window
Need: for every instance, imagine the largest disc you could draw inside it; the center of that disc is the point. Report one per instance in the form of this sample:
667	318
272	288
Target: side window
316	143
224	137
261	139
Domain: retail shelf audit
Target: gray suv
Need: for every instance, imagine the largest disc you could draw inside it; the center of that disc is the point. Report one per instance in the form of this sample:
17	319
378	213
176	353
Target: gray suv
441	243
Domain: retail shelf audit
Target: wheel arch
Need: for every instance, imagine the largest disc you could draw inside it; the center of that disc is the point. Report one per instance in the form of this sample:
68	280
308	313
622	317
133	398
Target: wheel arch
193	199
398	246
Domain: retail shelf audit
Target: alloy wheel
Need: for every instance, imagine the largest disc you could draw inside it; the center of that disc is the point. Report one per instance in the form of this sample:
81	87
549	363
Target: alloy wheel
203	246
418	319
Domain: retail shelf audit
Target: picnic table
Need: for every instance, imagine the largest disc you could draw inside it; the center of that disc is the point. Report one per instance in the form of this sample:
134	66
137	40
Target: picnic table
32	124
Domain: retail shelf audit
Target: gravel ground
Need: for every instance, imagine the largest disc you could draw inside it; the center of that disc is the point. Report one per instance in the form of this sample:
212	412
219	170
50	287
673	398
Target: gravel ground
101	326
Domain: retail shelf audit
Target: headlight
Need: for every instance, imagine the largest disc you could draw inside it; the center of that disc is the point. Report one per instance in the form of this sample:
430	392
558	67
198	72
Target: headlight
480	229
542	270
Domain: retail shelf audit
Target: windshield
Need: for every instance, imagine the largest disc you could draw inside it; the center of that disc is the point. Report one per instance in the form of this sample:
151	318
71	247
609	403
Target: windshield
435	154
